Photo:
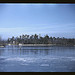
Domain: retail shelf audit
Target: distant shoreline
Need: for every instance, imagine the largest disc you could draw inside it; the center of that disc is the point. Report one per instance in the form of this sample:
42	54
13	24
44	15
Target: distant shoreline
40	45
33	44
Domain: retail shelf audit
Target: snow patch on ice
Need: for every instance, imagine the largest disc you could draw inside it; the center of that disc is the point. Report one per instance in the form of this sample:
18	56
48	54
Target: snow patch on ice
44	65
28	60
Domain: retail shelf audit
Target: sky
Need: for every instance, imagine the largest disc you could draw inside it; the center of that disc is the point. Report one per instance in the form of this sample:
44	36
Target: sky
23	18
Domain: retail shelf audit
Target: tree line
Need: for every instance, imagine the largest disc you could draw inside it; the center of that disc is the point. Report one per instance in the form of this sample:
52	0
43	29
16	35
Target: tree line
38	39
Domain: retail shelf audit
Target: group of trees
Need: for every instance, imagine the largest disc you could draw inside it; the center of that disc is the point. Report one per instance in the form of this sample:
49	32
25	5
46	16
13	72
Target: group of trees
38	39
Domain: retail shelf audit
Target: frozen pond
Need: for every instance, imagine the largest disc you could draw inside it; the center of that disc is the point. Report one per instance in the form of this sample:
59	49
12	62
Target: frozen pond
37	59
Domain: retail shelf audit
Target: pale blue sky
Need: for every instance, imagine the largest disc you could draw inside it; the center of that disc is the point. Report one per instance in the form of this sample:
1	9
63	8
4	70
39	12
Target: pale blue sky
53	19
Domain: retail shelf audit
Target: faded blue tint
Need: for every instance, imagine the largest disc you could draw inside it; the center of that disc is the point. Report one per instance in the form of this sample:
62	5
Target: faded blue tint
53	19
